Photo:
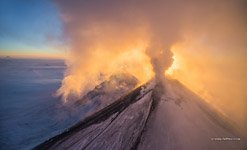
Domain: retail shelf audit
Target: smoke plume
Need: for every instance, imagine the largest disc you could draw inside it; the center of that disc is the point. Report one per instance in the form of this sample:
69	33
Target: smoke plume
208	39
111	36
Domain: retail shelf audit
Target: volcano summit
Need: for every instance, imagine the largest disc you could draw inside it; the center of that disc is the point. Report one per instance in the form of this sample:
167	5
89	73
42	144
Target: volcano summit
156	115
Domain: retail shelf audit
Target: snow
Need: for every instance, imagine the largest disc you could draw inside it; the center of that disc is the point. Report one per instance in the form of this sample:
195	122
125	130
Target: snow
123	132
119	131
30	114
182	121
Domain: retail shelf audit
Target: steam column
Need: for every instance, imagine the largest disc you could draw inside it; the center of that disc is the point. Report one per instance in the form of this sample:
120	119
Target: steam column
161	61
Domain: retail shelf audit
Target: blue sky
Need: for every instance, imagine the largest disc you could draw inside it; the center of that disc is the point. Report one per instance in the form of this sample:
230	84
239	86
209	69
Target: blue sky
29	26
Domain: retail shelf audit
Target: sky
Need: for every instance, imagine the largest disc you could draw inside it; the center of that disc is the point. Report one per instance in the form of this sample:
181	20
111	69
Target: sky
30	28
208	40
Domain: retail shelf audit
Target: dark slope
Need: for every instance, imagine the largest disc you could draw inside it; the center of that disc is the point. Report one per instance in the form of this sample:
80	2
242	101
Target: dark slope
105	94
115	127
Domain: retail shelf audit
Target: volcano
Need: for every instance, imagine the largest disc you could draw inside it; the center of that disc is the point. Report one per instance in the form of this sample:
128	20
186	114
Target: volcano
160	115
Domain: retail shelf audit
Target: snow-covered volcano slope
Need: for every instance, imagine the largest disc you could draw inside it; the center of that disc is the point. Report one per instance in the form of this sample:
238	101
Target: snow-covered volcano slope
183	121
161	116
117	126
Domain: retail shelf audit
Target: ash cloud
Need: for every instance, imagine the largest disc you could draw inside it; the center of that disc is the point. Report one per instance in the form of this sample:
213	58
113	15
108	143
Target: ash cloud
136	36
99	32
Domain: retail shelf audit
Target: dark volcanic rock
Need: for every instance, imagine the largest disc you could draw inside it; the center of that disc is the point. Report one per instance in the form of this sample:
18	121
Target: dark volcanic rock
117	126
107	92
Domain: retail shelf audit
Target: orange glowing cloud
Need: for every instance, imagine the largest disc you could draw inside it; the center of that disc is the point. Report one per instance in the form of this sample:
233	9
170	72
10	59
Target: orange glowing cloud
208	40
